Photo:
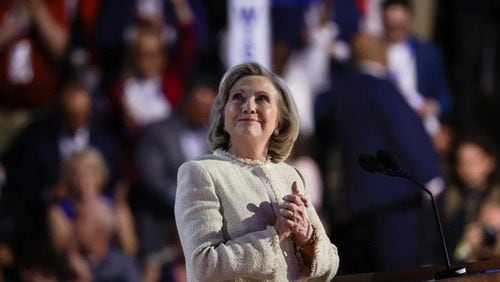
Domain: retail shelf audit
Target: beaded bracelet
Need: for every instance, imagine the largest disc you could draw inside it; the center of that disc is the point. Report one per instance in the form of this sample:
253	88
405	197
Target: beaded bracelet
310	241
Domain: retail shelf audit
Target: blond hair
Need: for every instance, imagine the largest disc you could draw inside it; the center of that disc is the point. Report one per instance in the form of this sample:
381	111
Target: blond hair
88	157
281	144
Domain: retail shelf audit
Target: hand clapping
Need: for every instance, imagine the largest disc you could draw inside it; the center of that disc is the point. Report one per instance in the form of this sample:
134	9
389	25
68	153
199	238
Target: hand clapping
293	217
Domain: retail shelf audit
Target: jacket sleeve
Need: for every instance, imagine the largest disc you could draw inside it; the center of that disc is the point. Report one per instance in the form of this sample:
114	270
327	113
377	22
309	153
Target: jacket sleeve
209	255
325	262
326	259
405	134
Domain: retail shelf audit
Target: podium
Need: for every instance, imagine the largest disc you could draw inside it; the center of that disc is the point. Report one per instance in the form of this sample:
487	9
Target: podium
484	271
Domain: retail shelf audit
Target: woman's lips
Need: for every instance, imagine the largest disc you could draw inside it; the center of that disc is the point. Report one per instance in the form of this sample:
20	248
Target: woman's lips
248	119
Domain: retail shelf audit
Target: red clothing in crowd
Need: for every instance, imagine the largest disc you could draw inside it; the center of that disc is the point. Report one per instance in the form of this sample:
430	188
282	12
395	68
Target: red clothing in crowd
28	73
179	64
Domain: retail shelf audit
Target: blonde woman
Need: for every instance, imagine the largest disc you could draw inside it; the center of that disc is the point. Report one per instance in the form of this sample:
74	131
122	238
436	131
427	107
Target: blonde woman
84	175
242	213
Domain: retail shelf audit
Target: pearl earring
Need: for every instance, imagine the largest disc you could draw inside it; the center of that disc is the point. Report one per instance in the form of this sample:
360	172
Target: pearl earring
276	132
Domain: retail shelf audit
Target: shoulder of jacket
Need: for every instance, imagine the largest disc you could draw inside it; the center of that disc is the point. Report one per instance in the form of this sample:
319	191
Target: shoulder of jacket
203	161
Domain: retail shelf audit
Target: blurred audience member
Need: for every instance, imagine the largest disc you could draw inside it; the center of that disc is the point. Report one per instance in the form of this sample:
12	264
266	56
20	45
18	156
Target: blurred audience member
415	66
476	181
162	148
363	114
118	22
33	162
321	37
91	256
33	38
153	85
152	82
305	64
480	240
84	175
423	17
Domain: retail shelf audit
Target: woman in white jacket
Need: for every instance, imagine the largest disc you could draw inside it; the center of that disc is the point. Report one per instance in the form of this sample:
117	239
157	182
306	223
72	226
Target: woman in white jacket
242	213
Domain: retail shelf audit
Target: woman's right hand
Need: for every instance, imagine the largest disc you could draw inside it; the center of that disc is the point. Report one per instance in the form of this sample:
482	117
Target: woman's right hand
292	216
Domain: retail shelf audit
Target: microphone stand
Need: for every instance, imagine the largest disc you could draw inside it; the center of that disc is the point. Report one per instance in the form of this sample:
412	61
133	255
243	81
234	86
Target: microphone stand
449	272
387	164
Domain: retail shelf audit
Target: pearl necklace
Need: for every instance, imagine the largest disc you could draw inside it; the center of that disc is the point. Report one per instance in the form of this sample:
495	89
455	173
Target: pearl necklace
247	161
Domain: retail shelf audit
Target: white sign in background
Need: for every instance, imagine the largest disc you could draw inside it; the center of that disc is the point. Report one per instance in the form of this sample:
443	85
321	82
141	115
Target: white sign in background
249	37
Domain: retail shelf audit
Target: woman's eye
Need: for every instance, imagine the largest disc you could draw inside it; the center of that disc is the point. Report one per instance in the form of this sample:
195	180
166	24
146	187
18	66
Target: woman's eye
263	98
237	97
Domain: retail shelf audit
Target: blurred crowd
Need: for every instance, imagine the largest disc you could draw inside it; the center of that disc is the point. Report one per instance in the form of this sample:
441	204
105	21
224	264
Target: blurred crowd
102	100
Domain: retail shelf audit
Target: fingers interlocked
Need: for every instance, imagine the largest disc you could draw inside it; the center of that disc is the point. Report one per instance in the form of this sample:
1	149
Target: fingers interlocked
291	212
293	209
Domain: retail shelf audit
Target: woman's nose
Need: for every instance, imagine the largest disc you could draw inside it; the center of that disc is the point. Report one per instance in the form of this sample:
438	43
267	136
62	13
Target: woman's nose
249	106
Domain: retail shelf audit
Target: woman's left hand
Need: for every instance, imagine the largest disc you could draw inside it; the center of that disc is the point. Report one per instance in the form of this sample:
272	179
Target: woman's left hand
293	209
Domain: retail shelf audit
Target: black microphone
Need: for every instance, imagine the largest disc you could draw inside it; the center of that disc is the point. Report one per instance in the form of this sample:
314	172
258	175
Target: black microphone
388	164
370	163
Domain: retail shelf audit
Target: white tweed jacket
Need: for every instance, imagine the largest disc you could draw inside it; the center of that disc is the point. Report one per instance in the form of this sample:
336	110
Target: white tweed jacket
225	211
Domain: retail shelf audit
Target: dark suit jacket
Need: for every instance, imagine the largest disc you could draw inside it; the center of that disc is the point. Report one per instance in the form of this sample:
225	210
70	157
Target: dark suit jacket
364	114
33	162
431	80
158	155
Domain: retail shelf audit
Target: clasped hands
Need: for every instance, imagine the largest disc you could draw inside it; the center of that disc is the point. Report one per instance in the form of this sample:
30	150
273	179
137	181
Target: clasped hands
293	218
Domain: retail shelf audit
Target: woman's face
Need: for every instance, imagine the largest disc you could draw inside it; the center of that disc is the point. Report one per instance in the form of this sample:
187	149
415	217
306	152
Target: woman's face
251	111
85	180
474	165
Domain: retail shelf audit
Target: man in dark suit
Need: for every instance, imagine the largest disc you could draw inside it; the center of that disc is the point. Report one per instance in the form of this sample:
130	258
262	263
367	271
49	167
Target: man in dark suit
363	114
162	148
415	66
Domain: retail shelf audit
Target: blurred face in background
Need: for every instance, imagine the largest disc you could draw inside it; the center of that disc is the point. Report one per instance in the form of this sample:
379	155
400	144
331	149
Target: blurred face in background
490	216
397	23
280	55
84	180
76	106
85	173
149	55
474	165
197	107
